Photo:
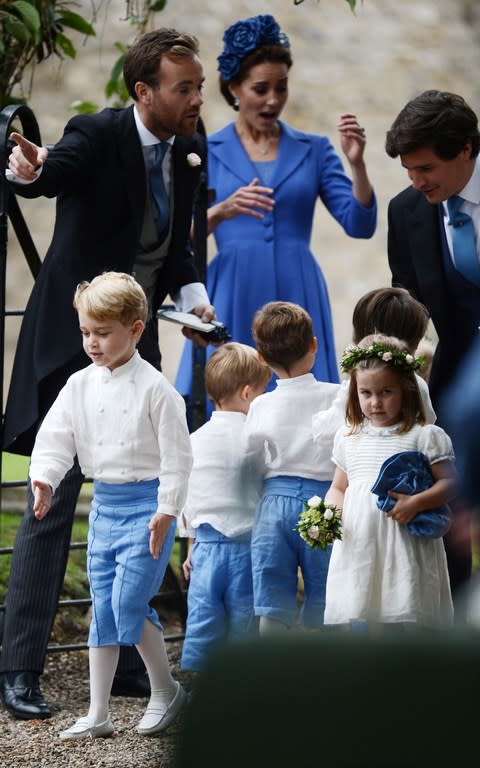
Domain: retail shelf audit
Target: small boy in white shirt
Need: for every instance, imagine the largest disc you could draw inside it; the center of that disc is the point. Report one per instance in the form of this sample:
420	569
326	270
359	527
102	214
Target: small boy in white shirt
218	515
127	426
279	438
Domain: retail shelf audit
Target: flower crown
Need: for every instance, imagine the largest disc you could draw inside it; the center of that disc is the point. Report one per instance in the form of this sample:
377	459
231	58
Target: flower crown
243	37
400	359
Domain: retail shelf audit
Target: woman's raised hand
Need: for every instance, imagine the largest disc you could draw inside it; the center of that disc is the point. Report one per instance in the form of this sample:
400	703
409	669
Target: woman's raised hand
352	138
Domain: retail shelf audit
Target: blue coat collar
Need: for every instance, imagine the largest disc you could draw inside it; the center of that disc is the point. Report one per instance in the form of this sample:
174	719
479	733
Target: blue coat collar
226	147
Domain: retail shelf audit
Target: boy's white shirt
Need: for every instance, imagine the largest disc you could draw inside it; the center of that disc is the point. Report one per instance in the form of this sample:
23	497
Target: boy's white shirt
278	431
125	426
223	490
325	420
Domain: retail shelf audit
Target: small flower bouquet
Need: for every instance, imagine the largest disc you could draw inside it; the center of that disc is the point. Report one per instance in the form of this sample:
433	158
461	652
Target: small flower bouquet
319	524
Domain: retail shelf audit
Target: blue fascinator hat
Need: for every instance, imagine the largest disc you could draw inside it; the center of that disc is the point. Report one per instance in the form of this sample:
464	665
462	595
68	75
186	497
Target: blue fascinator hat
409	472
245	36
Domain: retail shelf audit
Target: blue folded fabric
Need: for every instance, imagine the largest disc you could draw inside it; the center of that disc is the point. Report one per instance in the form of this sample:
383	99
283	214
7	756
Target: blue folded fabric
409	472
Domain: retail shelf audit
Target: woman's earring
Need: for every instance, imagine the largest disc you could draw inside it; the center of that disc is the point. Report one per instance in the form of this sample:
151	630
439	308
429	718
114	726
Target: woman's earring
236	102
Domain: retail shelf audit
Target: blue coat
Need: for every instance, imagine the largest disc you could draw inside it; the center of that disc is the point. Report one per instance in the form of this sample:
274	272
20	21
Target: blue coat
261	260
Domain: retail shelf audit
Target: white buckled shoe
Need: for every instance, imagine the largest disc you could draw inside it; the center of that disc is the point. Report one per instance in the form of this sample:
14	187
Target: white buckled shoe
159	716
84	729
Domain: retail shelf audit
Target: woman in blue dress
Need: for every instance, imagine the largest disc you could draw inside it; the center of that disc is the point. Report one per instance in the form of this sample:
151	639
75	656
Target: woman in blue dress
267	177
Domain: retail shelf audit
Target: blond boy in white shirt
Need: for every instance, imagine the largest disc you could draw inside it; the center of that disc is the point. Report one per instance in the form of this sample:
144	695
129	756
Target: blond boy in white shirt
127	426
222	496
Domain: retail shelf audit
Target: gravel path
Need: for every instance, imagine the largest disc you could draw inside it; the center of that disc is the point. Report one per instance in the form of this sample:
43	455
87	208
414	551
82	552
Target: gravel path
35	743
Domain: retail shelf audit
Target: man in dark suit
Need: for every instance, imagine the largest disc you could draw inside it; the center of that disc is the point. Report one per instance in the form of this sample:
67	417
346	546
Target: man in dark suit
107	218
437	139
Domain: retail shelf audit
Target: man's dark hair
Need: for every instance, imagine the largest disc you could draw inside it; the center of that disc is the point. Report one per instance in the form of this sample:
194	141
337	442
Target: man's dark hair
142	61
436	119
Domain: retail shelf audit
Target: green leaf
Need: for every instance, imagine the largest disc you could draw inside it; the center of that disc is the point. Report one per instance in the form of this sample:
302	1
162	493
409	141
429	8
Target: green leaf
65	45
117	68
30	16
158	5
84	107
74	21
16	28
121	47
111	88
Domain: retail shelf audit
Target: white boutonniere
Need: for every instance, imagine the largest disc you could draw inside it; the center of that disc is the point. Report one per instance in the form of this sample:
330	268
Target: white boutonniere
194	160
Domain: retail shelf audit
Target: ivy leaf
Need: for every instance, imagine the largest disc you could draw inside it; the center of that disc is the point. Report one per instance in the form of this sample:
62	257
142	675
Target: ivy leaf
158	5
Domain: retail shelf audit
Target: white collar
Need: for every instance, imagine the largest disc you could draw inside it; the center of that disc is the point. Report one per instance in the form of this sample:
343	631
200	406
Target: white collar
122	370
147	138
471	190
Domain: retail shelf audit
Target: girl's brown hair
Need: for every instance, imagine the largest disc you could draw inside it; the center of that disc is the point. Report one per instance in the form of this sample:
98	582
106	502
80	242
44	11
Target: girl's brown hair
393	312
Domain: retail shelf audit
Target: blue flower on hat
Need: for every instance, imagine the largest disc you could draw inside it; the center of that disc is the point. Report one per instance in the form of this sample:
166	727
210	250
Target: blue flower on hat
243	37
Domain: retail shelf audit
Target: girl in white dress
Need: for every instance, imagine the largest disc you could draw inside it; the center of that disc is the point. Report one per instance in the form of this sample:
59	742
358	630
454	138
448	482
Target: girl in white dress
380	572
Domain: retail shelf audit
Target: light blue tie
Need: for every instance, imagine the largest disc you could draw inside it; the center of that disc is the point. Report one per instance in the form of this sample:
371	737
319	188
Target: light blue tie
159	193
463	241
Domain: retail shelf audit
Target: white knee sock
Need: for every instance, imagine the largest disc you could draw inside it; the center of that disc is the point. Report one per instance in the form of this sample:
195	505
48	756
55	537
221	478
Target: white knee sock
103	663
271	627
154	654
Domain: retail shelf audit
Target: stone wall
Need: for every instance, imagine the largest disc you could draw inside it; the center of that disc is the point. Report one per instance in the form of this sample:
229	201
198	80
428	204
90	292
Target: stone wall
370	63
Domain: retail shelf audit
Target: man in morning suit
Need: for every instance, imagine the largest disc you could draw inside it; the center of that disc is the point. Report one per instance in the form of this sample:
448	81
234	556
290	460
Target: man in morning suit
108	217
437	139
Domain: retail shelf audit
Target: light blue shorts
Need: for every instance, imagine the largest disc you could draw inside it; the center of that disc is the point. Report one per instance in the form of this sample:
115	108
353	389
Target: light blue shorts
122	573
220	595
278	552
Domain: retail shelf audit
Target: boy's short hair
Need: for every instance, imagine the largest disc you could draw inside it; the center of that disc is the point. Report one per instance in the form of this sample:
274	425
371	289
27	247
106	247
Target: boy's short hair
392	312
113	295
283	332
232	366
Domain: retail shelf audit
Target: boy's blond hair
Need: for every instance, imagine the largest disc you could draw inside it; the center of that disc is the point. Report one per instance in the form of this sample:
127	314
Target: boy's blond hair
112	295
283	333
231	367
